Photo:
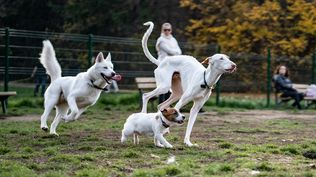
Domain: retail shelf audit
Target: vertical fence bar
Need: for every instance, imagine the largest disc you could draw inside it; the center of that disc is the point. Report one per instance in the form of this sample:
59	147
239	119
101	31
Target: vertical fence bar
90	42
313	67
6	60
218	84
268	77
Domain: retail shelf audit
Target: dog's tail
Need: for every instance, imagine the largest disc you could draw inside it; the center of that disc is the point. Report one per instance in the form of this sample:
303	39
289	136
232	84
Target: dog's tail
49	61
144	43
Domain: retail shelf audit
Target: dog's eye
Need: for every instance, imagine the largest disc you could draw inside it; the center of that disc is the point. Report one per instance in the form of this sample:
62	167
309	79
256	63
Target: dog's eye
105	67
221	58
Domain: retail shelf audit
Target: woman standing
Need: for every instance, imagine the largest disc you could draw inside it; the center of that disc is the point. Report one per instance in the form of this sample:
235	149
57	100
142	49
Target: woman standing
166	45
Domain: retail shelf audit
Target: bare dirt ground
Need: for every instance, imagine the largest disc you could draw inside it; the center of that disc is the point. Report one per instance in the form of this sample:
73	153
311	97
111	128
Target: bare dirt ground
234	116
260	115
21	118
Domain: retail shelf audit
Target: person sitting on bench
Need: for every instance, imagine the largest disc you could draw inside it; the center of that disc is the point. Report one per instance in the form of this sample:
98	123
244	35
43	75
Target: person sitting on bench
284	85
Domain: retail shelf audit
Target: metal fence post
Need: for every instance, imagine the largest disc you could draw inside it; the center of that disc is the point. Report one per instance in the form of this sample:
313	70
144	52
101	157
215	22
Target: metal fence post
218	84
6	60
268	77
313	67
90	42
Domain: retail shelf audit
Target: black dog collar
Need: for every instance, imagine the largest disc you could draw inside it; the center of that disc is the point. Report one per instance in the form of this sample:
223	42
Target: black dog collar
205	84
164	123
97	87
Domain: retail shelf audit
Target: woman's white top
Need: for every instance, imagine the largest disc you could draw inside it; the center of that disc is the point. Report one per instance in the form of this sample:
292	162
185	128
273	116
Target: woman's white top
167	46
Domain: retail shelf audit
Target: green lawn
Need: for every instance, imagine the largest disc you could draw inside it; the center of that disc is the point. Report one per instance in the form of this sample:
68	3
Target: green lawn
232	142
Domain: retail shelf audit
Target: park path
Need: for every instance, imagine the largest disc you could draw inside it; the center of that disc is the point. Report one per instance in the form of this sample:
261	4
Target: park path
251	115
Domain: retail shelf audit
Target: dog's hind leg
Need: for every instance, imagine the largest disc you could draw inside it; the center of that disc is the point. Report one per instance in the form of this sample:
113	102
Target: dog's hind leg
124	137
156	92
163	80
61	110
175	95
198	103
74	116
136	138
125	133
48	105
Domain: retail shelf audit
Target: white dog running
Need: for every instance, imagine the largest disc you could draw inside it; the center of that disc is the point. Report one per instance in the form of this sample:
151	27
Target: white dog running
195	81
76	93
156	124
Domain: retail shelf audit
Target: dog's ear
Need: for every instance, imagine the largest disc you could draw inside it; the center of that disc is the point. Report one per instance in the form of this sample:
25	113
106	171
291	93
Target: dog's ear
108	58
164	111
206	60
99	58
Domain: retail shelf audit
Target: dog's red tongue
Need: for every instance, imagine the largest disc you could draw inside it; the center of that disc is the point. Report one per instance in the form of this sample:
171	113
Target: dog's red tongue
117	77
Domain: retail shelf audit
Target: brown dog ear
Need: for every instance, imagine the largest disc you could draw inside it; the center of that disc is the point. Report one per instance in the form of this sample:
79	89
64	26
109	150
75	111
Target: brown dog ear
164	111
206	60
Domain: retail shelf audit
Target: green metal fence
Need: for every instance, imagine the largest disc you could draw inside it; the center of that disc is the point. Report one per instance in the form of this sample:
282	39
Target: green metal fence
19	52
75	54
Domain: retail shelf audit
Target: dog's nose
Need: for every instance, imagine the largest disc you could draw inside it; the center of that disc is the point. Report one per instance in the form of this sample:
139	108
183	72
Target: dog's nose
113	74
233	66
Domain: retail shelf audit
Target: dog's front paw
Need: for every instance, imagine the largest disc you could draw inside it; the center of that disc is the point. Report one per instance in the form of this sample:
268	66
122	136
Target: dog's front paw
169	146
160	145
67	119
54	134
44	128
191	145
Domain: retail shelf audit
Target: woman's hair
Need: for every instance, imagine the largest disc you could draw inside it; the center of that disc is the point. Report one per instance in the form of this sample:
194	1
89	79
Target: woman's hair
277	71
166	26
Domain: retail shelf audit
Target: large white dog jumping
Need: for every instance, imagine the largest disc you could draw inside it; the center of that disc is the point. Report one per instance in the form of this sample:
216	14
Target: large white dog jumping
195	81
76	93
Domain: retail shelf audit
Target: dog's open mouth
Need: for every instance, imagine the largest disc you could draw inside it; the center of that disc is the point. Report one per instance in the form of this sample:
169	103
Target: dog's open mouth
108	80
117	77
231	70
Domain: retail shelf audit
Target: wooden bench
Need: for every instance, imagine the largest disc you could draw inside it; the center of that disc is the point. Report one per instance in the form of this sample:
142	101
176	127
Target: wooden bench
3	97
301	88
145	83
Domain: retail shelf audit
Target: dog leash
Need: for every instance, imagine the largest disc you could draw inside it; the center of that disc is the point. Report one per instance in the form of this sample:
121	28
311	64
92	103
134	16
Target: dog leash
205	84
97	87
164	123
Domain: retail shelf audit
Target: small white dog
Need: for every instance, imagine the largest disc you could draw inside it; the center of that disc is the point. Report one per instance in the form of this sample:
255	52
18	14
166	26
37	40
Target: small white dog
76	93
156	124
187	78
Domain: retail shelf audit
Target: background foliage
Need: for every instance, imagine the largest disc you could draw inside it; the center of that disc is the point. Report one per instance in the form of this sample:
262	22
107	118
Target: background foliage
288	27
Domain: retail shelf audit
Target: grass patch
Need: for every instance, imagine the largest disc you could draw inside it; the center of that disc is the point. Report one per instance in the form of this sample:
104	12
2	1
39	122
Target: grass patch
225	145
4	150
131	154
91	145
265	166
250	130
290	150
217	168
